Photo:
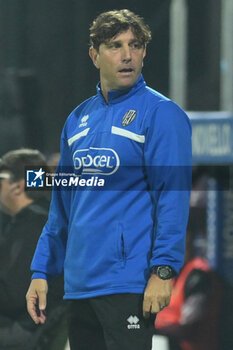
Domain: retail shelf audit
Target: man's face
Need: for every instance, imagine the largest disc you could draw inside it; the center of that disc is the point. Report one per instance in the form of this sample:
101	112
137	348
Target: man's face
120	61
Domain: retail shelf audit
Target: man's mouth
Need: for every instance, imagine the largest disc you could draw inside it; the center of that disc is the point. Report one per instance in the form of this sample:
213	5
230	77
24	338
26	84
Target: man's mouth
126	70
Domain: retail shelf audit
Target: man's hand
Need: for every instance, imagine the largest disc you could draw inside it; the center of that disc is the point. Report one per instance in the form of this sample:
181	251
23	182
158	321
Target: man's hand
157	295
36	300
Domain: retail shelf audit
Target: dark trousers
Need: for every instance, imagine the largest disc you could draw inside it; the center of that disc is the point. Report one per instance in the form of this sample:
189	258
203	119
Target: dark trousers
110	322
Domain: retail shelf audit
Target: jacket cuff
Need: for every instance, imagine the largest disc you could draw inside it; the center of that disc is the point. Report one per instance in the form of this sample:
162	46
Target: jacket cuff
41	275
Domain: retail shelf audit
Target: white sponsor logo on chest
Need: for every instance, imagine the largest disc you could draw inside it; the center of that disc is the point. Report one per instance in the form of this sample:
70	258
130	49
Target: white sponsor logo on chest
96	160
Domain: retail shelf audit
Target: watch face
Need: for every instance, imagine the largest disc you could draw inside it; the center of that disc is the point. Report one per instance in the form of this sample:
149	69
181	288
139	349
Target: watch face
164	272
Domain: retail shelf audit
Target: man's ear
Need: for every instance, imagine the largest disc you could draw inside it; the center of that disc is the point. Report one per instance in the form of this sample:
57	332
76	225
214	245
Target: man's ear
93	53
144	55
18	187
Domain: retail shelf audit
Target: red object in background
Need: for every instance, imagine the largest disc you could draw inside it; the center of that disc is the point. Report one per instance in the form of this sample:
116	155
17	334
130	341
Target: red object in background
203	333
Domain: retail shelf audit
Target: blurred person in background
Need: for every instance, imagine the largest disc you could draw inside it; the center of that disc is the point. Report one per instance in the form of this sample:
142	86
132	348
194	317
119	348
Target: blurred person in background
192	320
4	217
53	160
121	245
26	214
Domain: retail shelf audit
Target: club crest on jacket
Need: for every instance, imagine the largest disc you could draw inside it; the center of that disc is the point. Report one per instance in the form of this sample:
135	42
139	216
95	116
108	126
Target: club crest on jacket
129	117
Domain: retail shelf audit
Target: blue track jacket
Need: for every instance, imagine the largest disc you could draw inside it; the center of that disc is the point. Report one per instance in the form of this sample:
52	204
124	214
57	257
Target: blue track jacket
106	239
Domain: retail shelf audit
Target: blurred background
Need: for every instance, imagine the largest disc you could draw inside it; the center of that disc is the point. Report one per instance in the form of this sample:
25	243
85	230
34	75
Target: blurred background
45	72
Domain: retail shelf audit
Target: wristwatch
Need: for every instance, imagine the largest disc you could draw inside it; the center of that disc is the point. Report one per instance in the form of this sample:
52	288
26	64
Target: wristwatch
164	272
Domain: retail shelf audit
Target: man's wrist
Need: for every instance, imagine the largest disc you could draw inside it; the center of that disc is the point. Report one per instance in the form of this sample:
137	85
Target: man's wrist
165	272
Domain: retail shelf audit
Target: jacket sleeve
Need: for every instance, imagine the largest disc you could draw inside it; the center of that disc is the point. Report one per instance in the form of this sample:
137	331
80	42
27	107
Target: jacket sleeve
49	256
168	159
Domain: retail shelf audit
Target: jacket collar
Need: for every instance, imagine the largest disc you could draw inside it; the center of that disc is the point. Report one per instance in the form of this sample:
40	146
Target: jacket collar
115	96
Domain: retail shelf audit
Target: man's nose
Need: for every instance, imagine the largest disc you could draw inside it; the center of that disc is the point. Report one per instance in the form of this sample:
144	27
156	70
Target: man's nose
126	53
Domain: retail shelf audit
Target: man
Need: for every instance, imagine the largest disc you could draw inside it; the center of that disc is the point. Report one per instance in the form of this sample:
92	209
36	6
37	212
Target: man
121	245
27	213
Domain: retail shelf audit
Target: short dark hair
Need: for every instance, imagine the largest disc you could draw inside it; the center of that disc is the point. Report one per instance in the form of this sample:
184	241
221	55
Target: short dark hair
108	24
17	160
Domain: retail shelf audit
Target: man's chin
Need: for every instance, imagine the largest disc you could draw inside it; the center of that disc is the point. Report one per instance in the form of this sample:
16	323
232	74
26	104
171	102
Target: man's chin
126	83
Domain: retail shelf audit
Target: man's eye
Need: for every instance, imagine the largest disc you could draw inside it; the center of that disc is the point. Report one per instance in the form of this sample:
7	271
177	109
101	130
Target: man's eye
136	46
114	45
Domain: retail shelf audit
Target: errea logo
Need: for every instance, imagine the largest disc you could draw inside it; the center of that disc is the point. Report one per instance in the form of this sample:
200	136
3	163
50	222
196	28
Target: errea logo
84	121
133	322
